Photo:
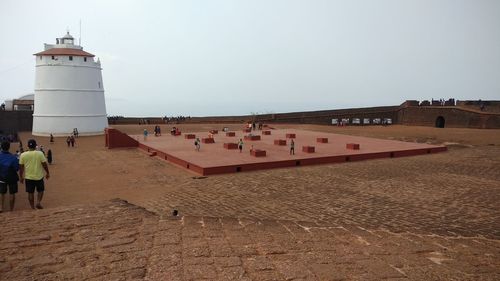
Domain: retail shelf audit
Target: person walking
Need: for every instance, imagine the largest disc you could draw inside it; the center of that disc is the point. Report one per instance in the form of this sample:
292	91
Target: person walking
68	141
240	145
31	166
49	156
145	133
9	165
197	144
51	138
72	141
292	147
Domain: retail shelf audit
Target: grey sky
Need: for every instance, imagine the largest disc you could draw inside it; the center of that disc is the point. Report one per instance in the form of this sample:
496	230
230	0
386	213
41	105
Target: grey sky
237	57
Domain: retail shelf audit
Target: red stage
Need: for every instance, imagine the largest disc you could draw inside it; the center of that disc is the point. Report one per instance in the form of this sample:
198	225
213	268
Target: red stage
320	148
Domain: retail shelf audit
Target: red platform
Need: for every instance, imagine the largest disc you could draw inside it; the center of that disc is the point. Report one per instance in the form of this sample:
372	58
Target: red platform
247	130
230	134
290	136
189	136
252	138
213	132
215	159
230	145
266	132
322	140
308	149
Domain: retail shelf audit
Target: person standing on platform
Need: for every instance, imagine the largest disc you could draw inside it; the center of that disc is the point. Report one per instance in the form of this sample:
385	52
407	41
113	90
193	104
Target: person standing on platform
72	141
292	147
31	167
51	138
240	145
197	144
145	133
9	165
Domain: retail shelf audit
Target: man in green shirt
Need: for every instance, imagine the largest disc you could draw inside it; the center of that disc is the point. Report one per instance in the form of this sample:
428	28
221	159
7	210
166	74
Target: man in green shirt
31	166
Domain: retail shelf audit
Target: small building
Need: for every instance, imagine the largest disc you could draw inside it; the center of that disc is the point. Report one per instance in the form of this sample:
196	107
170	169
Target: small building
24	103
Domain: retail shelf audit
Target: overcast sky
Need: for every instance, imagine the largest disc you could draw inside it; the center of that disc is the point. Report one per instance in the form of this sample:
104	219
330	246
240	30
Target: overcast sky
239	57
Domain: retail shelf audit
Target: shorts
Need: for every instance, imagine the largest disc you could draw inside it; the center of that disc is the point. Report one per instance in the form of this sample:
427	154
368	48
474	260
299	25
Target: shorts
12	187
32	184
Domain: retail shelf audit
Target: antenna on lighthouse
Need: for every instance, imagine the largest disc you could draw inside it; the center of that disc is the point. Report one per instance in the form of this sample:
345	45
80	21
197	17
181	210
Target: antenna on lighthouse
80	37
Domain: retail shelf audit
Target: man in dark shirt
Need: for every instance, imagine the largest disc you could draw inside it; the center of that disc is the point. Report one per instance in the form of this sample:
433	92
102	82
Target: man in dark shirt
9	165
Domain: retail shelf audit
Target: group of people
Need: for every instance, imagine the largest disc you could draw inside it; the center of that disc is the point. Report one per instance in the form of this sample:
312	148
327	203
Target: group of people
254	126
157	131
30	170
9	137
70	141
174	131
175	119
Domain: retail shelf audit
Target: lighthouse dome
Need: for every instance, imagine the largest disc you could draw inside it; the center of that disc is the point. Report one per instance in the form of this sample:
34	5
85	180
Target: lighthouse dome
67	39
68	36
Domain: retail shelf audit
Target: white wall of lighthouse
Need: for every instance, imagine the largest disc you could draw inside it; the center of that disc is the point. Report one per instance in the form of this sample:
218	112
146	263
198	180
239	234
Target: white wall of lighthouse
69	92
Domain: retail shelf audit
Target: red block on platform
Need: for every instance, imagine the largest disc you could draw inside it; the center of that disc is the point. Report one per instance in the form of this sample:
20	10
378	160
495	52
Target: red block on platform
230	134
258	153
266	132
290	136
252	138
189	136
213	132
354	146
230	145
308	149
207	140
322	140
280	142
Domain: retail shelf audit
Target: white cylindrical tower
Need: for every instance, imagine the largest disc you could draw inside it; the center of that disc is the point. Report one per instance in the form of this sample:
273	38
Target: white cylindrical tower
69	92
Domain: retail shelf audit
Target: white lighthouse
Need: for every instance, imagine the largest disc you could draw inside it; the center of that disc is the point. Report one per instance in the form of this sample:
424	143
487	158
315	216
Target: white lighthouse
69	92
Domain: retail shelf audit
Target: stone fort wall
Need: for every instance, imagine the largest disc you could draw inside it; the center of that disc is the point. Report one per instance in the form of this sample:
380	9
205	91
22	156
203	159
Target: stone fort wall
12	122
465	114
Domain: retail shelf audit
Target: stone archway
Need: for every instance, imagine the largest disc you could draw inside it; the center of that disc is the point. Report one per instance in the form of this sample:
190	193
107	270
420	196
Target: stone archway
440	122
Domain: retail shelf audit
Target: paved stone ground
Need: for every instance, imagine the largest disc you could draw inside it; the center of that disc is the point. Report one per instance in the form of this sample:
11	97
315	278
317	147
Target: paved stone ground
231	249
83	242
120	241
455	194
